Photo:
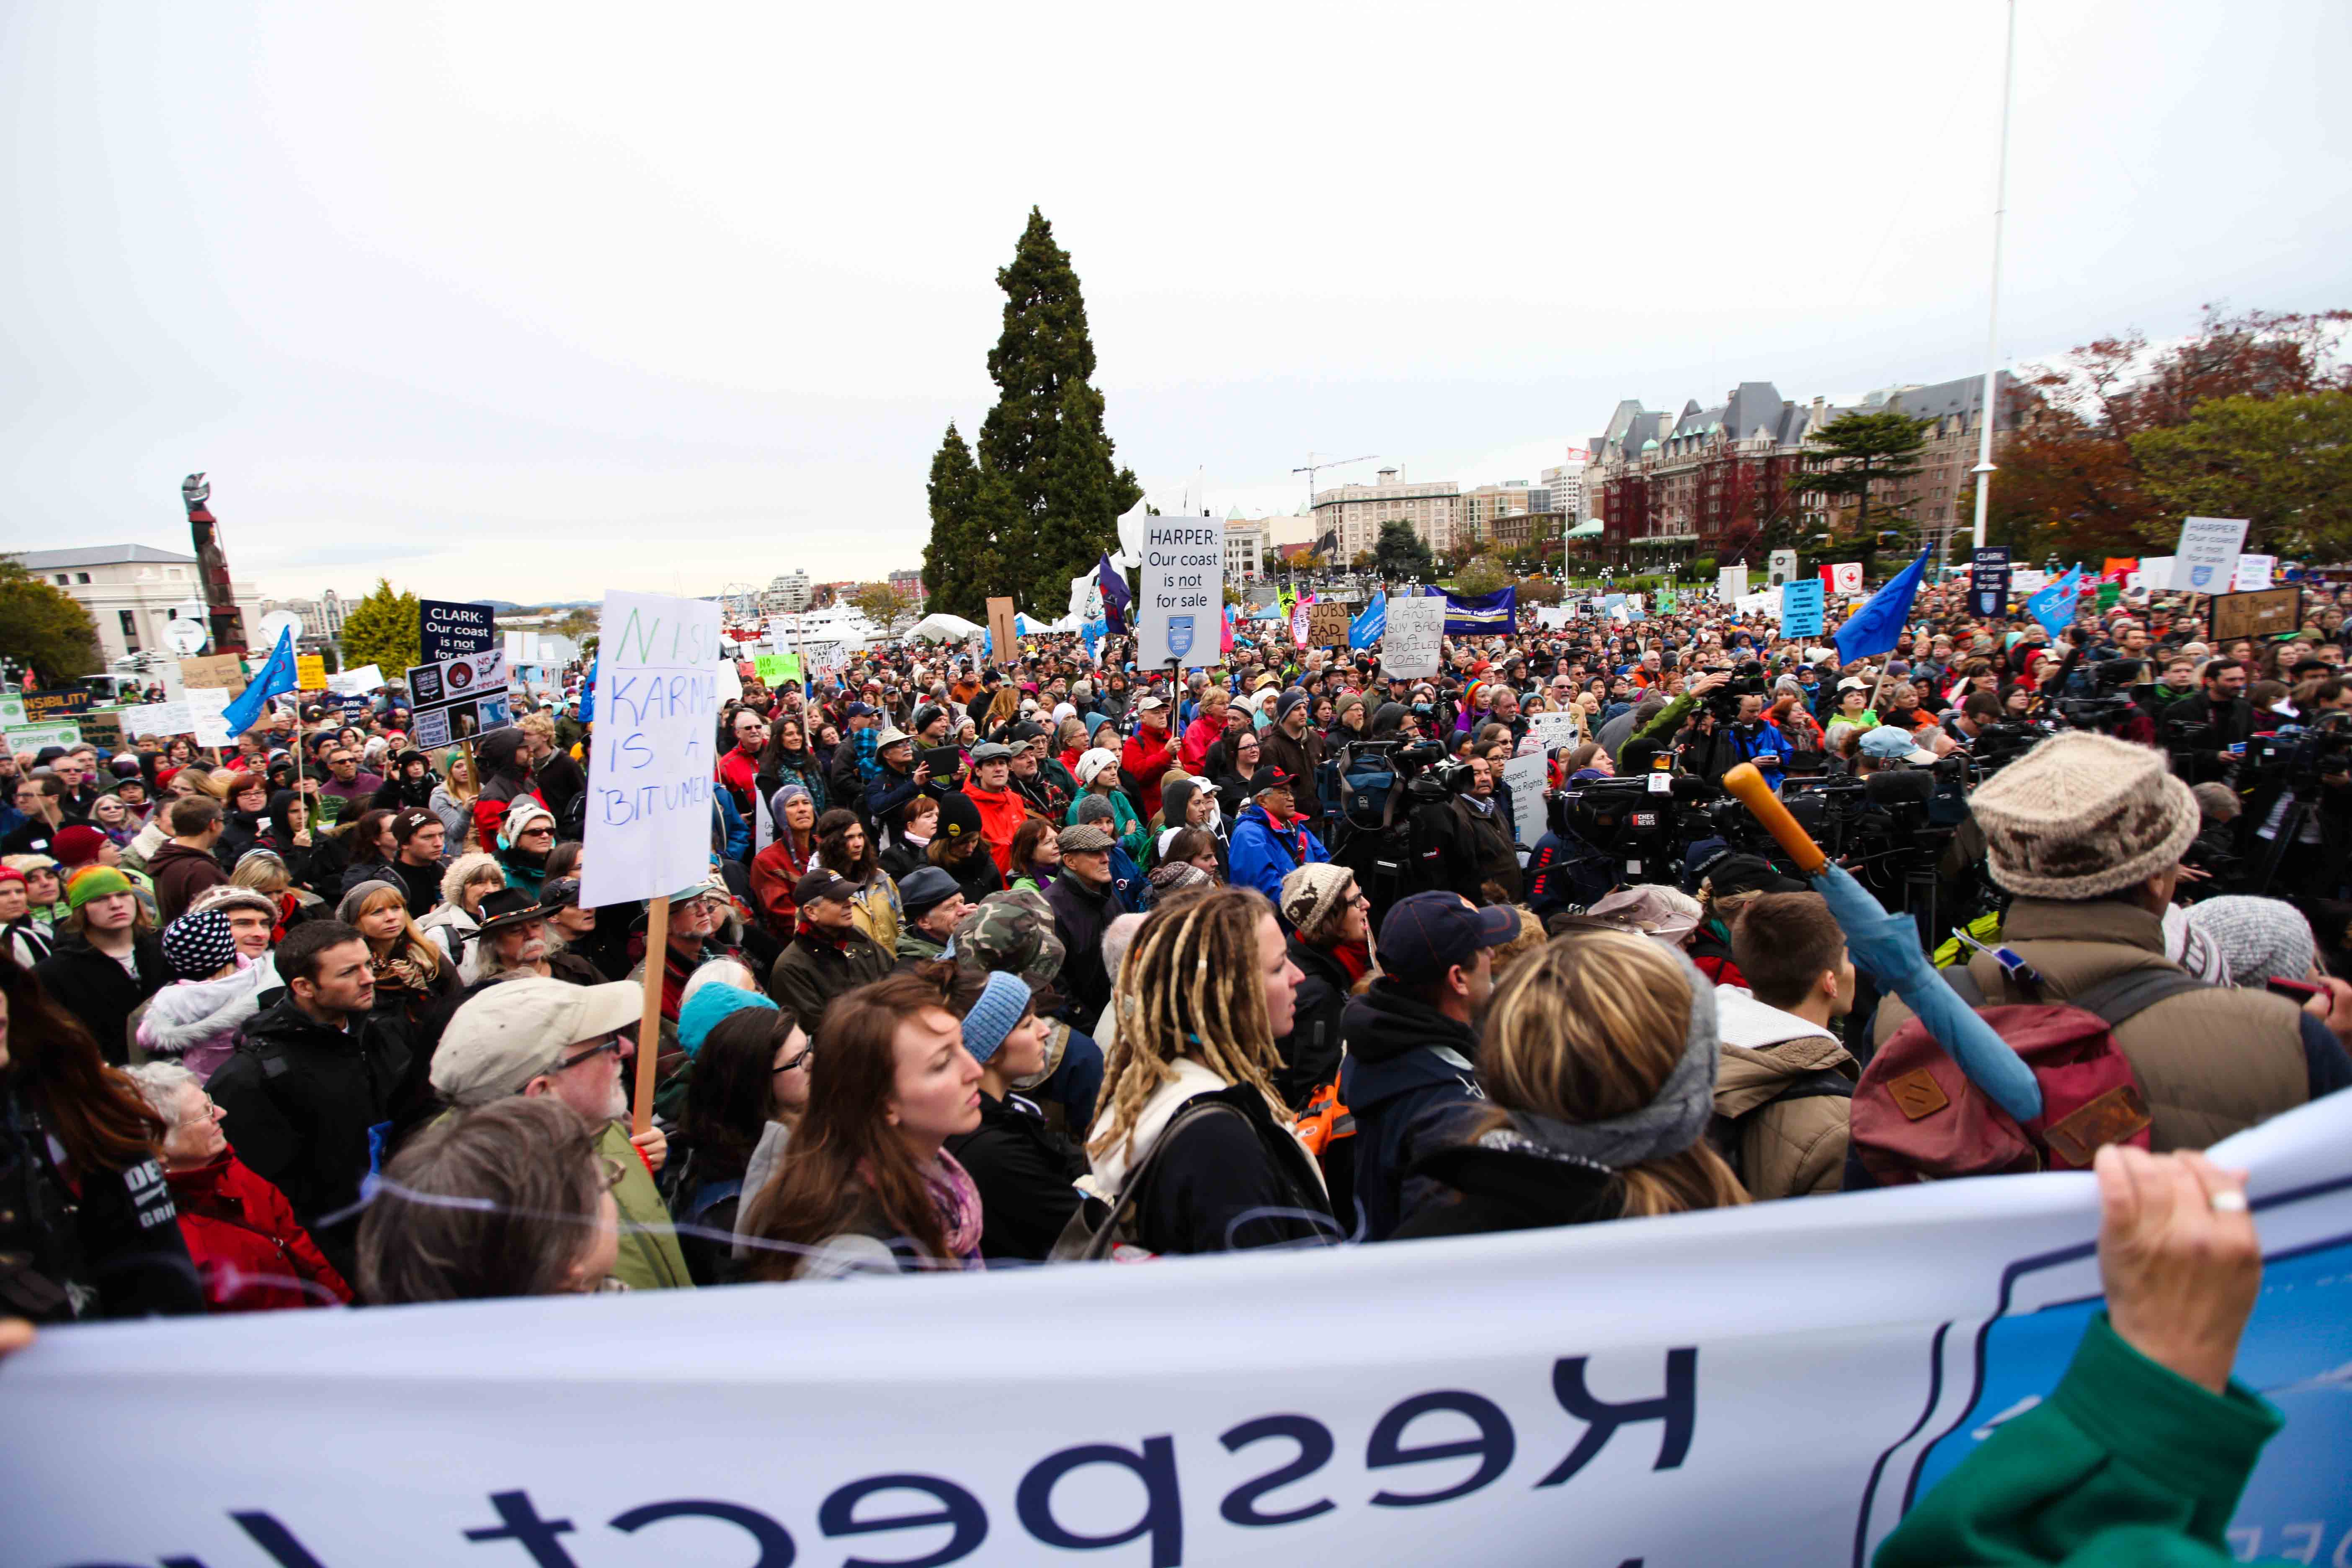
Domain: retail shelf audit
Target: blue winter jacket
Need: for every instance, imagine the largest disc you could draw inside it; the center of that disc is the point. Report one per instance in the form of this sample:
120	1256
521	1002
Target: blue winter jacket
1263	854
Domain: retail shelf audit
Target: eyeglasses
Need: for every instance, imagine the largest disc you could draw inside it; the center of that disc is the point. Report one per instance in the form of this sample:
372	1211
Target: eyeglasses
794	1064
613	1047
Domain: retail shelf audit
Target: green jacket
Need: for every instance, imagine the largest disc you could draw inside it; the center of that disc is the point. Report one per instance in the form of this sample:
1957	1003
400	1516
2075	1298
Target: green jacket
2126	1464
650	1260
1661	728
1125	827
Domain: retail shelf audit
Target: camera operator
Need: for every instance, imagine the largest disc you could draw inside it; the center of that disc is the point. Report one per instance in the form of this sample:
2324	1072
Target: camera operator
2218	716
1977	714
1471	834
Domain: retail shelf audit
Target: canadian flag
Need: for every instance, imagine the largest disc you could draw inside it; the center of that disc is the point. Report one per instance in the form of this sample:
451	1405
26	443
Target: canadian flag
1845	578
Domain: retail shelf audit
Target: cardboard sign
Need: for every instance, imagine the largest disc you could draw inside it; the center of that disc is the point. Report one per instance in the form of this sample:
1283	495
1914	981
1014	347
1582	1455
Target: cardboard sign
310	672
102	727
2266	613
1327	625
2207	559
1003	632
225	671
55	707
1553	731
447	630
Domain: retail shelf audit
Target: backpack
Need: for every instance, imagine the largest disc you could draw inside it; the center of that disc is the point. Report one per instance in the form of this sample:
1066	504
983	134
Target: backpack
1918	1118
1100	1232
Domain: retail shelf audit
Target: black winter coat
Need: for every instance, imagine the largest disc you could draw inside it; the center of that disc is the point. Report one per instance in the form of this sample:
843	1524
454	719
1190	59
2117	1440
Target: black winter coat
301	1097
1408	1076
1081	915
1505	1182
1023	1170
1310	1052
111	1250
1233	1181
95	989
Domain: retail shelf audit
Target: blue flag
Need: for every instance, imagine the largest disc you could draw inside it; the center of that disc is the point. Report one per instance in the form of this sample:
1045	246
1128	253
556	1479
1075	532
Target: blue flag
1366	628
2054	607
1494	614
276	677
1116	596
1873	627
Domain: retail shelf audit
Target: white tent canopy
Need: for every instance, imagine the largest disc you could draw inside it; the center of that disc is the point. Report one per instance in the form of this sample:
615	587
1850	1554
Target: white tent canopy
943	629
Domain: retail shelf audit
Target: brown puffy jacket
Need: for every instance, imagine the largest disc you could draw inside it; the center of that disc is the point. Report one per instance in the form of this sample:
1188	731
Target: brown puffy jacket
2209	1062
1794	1147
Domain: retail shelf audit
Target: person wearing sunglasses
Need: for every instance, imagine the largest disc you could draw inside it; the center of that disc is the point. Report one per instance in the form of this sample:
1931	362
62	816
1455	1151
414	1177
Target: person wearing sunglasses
536	1037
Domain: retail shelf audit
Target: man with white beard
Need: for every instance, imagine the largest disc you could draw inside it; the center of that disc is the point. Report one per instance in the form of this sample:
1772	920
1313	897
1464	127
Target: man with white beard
514	943
535	1035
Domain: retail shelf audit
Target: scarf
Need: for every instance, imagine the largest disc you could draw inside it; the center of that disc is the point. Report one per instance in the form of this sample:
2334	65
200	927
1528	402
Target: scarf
1674	1120
1356	958
956	1199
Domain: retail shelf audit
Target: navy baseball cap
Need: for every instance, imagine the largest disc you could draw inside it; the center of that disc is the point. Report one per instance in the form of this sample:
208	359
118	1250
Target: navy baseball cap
1429	933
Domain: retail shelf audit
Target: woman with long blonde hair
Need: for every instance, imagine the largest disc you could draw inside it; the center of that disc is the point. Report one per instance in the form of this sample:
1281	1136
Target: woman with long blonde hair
453	798
1205	990
412	978
1599	1059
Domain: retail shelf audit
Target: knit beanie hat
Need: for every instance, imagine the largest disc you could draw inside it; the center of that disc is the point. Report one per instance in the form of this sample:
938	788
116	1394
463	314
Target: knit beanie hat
95	882
1003	1002
705	1009
959	816
76	845
2260	939
348	911
2081	815
1310	893
196	945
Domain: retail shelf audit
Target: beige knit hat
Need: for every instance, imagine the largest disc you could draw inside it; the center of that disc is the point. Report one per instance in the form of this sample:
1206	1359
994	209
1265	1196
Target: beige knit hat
2081	815
1311	892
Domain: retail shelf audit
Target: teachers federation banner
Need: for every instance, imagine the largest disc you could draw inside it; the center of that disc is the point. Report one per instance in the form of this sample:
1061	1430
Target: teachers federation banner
1483	615
1762	1385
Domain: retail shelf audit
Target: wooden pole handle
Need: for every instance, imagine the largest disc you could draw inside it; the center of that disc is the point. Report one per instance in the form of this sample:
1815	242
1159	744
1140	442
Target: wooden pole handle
1751	790
641	1114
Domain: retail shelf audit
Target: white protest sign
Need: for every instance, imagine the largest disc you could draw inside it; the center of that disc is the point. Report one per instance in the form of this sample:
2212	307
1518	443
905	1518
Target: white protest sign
1758	605
207	706
1552	617
2027	580
2155	573
1526	778
1553	731
1180	594
1627	1390
1414	638
1730	583
649	774
2254	574
2207	557
12	709
157	719
357	682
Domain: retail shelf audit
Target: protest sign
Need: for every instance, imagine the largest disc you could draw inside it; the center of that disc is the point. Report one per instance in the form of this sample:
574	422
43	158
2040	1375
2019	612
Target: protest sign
2266	613
1988	580
2155	573
33	737
12	709
649	775
225	670
1180	592
55	707
2027	580
1415	637
206	707
2207	557
1483	615
2253	573
826	655
1605	1392
1004	631
1553	731
1526	778
355	708
459	698
447	629
101	727
356	682
1298	622
1327	624
310	672
149	719
1756	605
2109	595
1552	617
1730	583
1802	608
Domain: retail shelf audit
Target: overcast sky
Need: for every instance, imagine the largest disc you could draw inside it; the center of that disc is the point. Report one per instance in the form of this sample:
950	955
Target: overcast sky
526	301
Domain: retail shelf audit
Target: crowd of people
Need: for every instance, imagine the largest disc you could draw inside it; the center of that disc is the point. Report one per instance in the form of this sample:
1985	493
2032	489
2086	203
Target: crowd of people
1055	958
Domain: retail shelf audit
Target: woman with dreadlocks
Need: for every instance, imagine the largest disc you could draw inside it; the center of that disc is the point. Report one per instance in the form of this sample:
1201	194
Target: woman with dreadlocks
1192	1145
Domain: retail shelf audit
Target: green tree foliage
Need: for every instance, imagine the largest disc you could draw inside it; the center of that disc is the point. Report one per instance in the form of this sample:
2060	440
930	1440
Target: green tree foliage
958	561
382	630
1400	553
1851	454
1483	575
1058	517
2284	464
43	627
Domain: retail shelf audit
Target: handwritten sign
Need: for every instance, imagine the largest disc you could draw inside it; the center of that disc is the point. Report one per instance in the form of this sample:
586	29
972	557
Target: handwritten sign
447	630
1327	624
778	669
1415	637
102	727
1526	778
1554	730
207	709
310	672
1003	632
222	670
2253	573
649	776
2262	614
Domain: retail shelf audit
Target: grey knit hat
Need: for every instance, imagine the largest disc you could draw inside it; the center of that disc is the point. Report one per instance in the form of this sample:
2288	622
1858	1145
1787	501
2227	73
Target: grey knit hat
2260	939
347	910
2081	815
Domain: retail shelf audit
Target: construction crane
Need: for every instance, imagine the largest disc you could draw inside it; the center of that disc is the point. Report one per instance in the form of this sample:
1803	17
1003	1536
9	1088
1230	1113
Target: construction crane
1314	467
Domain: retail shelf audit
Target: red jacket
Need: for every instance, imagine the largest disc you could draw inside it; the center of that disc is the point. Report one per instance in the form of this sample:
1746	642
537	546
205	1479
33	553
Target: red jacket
490	813
250	1252
1002	811
1199	736
1147	762
741	775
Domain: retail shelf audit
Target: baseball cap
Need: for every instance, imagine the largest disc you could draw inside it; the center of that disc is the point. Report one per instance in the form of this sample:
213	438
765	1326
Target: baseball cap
1269	778
823	884
1887	743
1428	933
516	1029
1149	705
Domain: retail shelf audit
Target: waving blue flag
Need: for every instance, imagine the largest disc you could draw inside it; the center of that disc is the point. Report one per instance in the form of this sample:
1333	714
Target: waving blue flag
1366	628
1873	627
276	677
2054	607
1115	595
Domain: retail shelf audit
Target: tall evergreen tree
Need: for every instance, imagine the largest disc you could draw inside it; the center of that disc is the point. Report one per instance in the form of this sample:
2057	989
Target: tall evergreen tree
383	630
1042	353
1850	454
953	559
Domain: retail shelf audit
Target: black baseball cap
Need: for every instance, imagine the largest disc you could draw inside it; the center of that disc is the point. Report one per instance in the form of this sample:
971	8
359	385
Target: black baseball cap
823	884
1269	778
1428	933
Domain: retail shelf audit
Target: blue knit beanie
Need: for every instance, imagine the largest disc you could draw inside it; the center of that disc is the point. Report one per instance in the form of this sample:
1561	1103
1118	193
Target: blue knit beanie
1002	1007
705	1009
